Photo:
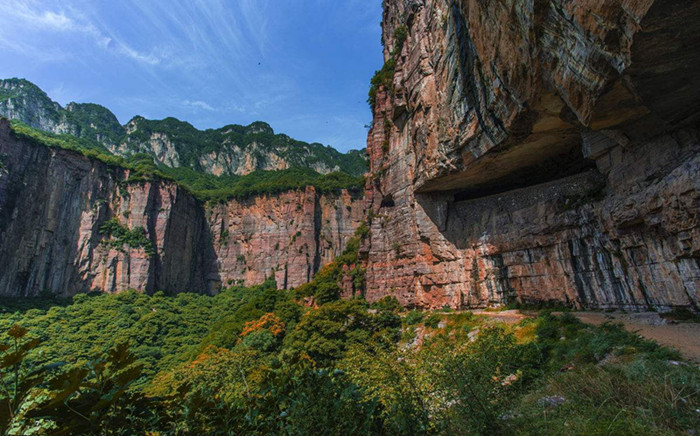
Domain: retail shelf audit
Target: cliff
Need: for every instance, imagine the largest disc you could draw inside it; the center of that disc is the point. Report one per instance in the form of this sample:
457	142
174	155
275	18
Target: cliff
71	224
536	151
290	235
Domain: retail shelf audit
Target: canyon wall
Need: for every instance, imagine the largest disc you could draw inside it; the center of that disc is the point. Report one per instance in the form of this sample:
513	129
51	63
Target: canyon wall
537	151
290	235
56	208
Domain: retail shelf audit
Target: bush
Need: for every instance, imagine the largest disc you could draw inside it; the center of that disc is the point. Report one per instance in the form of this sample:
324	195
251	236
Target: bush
414	317
387	304
119	235
432	321
326	333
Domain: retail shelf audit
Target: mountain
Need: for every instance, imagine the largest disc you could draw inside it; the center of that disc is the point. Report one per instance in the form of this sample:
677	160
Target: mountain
528	154
161	205
230	150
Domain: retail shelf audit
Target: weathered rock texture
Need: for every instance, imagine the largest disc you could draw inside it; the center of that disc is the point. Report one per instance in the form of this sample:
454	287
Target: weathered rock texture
53	203
538	150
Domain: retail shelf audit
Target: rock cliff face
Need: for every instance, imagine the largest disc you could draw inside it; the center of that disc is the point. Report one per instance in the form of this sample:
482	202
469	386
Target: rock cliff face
290	235
55	206
537	151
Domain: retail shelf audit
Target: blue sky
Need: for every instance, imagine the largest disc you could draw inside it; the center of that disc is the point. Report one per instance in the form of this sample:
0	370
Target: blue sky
301	65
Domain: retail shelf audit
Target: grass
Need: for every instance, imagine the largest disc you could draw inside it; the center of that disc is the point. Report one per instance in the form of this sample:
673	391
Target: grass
635	395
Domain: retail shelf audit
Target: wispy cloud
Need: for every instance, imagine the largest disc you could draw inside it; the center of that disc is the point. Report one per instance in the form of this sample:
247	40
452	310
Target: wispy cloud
213	62
29	13
198	104
122	49
33	16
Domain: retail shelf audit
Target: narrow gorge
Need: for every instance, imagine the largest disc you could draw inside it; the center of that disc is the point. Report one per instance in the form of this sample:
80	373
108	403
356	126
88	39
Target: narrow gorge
54	205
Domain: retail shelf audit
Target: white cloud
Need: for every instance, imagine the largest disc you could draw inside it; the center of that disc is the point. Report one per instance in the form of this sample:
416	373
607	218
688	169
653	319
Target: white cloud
122	49
198	104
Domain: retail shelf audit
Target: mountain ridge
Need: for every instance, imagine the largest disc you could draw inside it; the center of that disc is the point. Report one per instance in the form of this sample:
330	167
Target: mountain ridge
229	150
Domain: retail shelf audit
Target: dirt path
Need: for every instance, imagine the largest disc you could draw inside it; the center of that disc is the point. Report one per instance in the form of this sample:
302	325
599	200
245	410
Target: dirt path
684	337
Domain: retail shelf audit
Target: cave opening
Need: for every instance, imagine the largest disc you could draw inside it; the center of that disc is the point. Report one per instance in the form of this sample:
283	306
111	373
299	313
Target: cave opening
388	201
550	169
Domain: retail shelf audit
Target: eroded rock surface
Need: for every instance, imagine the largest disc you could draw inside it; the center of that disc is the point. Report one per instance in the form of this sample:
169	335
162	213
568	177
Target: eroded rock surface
537	151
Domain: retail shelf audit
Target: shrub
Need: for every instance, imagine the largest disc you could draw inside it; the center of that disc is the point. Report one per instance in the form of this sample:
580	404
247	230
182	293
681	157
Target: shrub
432	321
388	304
414	317
119	235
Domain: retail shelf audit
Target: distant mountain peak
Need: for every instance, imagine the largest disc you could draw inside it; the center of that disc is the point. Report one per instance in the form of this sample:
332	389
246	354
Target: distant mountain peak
229	150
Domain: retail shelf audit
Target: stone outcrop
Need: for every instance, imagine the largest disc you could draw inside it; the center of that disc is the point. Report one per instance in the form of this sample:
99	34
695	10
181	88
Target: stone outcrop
537	151
54	205
22	100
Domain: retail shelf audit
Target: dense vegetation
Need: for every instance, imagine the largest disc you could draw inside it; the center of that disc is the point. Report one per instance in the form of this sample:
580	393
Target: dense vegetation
254	361
221	188
204	186
262	361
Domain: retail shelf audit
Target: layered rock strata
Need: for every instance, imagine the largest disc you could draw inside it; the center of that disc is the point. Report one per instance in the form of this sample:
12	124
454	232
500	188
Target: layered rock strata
537	151
55	204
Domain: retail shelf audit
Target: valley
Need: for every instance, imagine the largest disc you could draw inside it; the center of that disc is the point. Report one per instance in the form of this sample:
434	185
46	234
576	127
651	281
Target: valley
515	252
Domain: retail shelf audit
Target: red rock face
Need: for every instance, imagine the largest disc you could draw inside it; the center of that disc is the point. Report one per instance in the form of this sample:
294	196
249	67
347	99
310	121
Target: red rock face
54	202
537	151
290	235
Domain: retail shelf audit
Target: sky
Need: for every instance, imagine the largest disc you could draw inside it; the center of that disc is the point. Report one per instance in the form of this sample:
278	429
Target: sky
303	66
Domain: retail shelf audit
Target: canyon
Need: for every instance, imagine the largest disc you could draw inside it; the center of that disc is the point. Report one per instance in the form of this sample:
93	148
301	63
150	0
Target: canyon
520	152
54	204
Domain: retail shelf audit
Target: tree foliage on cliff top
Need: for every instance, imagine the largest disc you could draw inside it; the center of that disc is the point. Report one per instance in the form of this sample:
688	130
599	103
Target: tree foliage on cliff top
219	189
205	187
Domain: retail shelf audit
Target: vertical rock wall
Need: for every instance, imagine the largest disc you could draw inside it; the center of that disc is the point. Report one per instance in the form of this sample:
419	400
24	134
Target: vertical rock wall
290	235
537	151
